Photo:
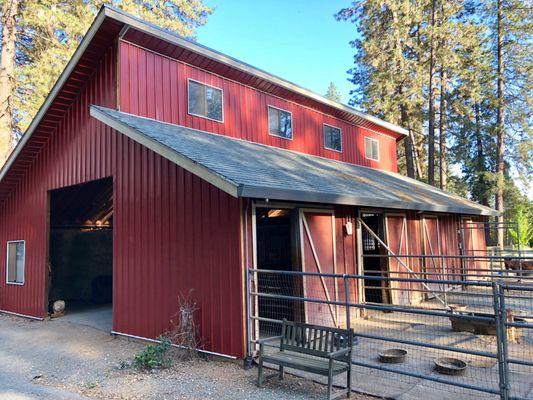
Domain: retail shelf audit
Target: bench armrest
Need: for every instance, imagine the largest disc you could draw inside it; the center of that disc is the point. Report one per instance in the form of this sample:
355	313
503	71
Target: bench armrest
339	353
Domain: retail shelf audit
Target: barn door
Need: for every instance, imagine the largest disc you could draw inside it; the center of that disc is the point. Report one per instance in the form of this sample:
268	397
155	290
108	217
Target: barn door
433	266
473	245
317	231
396	229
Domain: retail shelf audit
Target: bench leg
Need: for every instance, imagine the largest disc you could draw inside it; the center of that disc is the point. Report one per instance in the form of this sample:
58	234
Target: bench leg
330	384
281	372
260	373
349	383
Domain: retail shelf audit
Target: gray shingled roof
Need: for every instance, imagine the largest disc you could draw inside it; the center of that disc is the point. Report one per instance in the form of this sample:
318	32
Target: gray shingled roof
247	169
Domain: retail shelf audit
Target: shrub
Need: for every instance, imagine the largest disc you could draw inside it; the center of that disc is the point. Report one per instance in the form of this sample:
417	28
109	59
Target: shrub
153	356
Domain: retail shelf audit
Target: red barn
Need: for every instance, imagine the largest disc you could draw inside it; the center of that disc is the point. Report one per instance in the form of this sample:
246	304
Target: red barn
158	167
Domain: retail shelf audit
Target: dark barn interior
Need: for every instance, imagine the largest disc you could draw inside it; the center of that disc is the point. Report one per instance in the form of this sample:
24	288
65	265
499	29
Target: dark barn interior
276	246
375	290
81	248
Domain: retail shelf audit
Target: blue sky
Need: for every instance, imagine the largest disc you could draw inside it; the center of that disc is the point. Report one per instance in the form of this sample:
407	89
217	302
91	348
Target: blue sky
297	40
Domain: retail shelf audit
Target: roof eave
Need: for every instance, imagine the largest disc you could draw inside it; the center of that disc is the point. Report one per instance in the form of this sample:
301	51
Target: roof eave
193	167
95	26
272	193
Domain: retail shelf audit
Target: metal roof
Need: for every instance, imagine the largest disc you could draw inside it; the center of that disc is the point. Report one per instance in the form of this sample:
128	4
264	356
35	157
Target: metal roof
247	169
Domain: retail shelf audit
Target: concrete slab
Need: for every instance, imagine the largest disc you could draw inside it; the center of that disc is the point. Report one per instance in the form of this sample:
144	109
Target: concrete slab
99	317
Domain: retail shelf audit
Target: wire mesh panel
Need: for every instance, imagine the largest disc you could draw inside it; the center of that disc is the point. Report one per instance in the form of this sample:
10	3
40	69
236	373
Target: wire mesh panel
517	312
461	339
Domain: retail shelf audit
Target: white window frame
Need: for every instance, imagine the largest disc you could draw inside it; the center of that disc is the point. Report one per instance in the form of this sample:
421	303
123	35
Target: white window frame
268	123
8	282
324	137
204	116
372	140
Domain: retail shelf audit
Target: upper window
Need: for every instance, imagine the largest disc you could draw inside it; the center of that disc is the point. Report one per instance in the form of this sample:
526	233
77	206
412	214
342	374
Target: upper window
372	149
279	122
15	262
205	101
332	138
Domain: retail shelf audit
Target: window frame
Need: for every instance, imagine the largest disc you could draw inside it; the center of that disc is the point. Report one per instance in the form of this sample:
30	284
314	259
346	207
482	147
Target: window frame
8	282
371	140
221	121
268	122
324	137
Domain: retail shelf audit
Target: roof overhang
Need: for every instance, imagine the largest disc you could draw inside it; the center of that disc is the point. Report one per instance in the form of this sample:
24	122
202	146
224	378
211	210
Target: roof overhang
252	170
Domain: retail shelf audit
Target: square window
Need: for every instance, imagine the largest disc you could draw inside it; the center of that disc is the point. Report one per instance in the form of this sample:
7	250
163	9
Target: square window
332	138
279	123
371	149
205	101
15	262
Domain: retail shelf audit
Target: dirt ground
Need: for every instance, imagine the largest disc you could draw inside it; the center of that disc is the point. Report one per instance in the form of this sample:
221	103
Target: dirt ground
64	360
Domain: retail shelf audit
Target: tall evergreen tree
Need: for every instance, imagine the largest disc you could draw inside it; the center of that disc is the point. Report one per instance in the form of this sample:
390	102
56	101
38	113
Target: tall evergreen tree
10	10
333	93
387	69
45	33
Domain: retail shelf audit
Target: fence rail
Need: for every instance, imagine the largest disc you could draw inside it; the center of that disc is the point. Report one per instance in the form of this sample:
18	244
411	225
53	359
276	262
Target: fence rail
487	324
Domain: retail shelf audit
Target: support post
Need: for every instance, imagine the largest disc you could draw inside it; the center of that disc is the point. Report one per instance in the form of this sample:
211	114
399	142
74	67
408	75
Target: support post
500	315
248	361
347	300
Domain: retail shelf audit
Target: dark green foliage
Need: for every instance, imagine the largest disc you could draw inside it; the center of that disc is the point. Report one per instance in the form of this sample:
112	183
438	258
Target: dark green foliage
401	46
154	356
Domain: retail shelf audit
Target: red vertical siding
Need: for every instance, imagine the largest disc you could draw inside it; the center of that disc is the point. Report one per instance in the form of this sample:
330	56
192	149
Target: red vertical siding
155	86
173	232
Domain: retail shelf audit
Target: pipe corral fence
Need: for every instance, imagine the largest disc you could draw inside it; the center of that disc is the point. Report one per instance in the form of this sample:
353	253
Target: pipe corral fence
467	332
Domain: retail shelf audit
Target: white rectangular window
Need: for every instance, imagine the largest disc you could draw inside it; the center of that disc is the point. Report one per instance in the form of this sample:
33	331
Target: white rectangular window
205	101
16	253
279	122
372	149
332	138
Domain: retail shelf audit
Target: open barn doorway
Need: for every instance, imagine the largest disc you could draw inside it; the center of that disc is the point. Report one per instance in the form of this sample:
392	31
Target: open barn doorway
276	250
375	262
80	253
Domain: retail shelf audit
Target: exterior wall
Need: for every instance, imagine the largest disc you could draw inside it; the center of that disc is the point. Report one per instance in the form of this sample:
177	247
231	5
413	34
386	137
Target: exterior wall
173	232
155	86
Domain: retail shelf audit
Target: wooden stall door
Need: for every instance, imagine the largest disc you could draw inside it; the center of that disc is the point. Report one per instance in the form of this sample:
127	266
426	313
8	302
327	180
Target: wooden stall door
433	266
468	244
396	229
474	244
317	232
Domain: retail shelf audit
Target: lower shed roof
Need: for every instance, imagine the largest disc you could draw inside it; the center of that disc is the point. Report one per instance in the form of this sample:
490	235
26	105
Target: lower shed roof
247	169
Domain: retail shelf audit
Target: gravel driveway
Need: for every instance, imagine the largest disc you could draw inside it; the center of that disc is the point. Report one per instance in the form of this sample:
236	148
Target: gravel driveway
63	360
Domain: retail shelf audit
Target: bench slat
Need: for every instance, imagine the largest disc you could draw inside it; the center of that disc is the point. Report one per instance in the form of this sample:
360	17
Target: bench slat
315	365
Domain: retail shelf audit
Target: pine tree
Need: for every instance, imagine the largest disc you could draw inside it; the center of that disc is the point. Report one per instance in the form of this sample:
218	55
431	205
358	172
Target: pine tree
333	93
387	71
47	32
10	10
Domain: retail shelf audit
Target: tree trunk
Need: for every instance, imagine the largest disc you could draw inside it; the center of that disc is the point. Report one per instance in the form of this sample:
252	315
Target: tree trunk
500	128
431	108
480	159
408	144
7	76
443	165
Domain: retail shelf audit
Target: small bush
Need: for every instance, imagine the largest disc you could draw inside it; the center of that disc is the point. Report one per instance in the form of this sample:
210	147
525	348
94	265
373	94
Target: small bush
153	356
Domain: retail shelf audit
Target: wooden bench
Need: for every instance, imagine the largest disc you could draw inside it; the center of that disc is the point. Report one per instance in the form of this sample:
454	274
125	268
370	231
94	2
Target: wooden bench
317	349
